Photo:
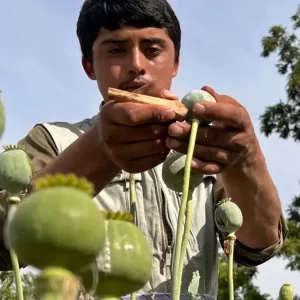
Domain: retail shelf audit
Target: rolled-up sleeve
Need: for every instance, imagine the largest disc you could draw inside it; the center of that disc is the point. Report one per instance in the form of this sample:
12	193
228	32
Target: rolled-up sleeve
244	255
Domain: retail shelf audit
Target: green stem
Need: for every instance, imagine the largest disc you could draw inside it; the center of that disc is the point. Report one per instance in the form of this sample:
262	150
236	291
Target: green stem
187	228
132	196
12	206
109	298
95	278
133	211
133	296
231	240
16	268
56	283
179	235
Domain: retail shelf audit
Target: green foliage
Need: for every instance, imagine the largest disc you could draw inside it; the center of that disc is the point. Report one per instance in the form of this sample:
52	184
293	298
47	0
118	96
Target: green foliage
8	287
283	118
243	285
291	248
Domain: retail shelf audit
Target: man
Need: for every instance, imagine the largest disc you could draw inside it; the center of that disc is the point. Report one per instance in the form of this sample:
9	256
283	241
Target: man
134	45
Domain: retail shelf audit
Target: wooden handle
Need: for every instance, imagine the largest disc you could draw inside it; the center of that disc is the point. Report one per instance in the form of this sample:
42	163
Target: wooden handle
125	96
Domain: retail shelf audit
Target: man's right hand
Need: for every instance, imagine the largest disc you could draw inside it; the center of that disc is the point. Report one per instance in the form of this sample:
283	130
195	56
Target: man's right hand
133	135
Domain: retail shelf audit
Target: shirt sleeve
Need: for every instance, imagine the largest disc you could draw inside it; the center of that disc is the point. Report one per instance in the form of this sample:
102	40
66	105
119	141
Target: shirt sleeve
244	255
41	149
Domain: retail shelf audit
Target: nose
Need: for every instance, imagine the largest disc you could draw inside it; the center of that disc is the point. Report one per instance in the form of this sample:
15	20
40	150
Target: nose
138	61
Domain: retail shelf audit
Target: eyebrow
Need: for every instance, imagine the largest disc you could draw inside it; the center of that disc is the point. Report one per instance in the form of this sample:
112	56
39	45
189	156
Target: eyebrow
158	41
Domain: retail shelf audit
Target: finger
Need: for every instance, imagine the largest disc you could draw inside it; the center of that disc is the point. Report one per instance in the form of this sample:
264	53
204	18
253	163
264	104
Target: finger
221	125
156	89
131	151
209	90
219	98
205	153
207	168
115	133
210	136
230	114
131	114
145	163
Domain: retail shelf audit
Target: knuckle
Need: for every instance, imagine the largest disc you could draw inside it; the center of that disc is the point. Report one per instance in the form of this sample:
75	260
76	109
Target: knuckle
239	116
239	143
222	156
212	169
243	116
156	130
131	116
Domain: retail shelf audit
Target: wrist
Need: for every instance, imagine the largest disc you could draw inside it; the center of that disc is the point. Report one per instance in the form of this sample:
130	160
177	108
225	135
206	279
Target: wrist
103	158
253	160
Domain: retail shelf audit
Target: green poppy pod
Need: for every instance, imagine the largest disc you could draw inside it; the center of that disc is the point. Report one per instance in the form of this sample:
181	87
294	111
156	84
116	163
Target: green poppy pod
193	97
173	172
16	169
125	264
286	292
58	224
228	216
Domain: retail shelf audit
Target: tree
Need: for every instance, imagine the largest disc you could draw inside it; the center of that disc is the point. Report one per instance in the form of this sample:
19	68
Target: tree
291	248
8	288
243	285
283	118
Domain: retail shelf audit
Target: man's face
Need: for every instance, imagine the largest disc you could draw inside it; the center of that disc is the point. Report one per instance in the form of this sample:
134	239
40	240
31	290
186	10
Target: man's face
129	58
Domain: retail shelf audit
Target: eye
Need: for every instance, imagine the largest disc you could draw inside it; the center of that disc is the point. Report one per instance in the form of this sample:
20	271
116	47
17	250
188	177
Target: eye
116	50
154	51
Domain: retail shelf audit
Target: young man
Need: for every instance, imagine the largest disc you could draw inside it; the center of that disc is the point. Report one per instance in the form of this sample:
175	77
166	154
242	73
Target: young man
135	45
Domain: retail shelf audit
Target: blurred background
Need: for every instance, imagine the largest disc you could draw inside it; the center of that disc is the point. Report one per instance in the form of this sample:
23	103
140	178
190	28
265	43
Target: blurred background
42	81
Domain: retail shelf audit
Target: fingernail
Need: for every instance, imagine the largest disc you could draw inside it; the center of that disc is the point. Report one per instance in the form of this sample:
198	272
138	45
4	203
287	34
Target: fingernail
177	130
199	108
168	115
195	164
208	89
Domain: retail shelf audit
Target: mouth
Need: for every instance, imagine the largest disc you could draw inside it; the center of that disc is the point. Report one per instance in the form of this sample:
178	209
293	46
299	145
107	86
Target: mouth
132	86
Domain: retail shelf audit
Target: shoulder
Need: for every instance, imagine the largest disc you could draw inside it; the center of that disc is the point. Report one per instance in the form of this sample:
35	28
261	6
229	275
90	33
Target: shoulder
64	133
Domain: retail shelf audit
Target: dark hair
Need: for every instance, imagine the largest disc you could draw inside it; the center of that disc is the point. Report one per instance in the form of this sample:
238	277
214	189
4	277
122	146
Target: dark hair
111	14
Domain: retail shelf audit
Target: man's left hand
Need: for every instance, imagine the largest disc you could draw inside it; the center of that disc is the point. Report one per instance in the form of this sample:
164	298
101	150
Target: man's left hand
229	142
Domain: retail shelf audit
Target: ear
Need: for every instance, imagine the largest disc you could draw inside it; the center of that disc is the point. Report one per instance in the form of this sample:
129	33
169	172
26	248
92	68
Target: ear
88	68
176	66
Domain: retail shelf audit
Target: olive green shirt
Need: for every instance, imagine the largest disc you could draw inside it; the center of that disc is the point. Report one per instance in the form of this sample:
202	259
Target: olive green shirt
41	148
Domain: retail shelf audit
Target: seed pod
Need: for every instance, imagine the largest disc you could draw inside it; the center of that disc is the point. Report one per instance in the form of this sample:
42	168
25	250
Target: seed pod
124	265
228	216
173	172
56	283
58	224
193	97
16	169
2	117
286	292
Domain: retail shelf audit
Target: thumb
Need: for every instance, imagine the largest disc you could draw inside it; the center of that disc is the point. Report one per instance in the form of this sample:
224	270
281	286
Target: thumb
209	90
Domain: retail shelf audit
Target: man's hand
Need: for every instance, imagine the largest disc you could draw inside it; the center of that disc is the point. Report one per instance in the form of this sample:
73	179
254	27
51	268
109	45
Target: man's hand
133	135
228	143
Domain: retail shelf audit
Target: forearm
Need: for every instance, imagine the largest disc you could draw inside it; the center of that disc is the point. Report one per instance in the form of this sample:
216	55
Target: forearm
253	190
85	158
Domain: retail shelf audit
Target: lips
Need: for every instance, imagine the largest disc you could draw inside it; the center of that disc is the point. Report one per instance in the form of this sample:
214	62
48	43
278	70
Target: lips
134	85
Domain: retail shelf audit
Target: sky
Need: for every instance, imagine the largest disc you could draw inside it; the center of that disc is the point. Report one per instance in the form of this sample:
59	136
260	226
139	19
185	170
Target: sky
43	81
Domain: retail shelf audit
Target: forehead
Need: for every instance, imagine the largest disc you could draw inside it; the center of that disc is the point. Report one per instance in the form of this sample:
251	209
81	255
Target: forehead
127	34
